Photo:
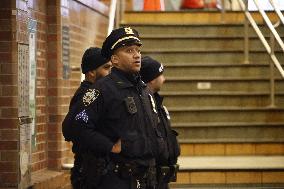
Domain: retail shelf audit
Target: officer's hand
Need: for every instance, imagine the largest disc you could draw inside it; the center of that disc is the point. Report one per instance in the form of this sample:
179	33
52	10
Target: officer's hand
116	147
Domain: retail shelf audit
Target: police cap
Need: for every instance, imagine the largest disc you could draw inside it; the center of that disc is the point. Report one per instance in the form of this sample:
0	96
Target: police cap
120	37
150	69
92	59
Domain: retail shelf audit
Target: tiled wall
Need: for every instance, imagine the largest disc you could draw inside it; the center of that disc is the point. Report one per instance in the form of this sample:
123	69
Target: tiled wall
87	21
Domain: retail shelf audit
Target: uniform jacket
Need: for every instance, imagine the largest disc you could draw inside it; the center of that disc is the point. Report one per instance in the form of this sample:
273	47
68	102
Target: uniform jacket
169	135
118	106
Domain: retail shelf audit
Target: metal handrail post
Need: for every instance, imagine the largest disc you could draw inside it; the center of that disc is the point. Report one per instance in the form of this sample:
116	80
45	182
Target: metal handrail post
117	14
111	17
122	10
246	36
262	38
223	11
272	75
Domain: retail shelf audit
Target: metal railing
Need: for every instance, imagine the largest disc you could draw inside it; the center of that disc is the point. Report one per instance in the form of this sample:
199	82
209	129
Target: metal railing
269	47
116	13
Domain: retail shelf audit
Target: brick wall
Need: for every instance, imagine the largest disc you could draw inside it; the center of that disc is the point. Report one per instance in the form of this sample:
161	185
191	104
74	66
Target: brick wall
8	94
37	11
87	21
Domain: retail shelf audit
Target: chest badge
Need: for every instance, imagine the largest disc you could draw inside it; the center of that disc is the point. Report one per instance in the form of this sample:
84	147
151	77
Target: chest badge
90	96
153	104
130	105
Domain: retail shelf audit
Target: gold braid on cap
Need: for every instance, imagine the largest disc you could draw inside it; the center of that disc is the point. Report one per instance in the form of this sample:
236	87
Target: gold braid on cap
122	39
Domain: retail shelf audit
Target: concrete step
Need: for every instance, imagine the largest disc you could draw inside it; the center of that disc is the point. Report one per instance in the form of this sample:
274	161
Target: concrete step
211	171
218	70
199	31
190	17
200	44
220	99
226	186
194	163
226	114
229	132
197	85
225	56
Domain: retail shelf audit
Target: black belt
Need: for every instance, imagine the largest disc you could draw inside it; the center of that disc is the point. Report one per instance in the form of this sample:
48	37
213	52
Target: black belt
167	174
139	175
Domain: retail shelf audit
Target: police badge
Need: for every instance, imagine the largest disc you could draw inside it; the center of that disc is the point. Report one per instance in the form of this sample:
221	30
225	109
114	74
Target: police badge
90	96
130	105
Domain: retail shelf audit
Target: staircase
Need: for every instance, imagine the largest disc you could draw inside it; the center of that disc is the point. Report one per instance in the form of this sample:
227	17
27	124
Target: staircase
219	105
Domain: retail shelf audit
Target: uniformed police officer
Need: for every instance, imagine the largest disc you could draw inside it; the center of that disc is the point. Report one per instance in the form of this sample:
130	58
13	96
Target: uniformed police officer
94	66
152	73
117	119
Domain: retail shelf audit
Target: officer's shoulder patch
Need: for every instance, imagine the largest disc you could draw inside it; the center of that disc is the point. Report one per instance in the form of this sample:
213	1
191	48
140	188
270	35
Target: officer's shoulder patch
90	96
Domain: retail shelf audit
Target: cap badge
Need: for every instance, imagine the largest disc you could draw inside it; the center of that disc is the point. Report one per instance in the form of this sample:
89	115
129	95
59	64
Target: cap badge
128	31
90	96
161	68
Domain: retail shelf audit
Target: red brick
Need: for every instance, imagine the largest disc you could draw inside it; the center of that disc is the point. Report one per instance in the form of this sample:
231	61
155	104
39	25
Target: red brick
41	128
8	166
41	137
8	145
9	90
9	155
5	57
55	136
9	135
5	14
9	123
9	177
9	68
5	46
5	35
8	79
9	112
41	146
54	154
8	101
56	118
55	163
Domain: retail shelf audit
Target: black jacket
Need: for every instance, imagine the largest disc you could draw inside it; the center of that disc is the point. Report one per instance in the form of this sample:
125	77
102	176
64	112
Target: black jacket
119	106
169	135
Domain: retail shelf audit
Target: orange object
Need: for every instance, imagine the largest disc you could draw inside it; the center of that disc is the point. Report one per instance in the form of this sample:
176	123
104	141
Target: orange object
192	4
212	4
153	5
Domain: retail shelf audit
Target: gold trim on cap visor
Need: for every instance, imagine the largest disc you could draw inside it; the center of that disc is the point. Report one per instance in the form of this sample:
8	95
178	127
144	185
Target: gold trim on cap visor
122	39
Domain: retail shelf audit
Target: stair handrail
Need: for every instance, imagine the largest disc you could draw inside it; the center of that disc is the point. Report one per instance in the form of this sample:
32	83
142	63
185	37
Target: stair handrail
261	36
111	18
277	10
269	24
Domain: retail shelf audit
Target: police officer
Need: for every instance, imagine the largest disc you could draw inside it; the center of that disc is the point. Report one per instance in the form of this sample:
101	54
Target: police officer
117	119
152	74
94	66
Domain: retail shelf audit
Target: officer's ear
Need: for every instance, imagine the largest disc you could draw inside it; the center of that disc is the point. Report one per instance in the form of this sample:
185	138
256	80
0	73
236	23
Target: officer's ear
114	59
